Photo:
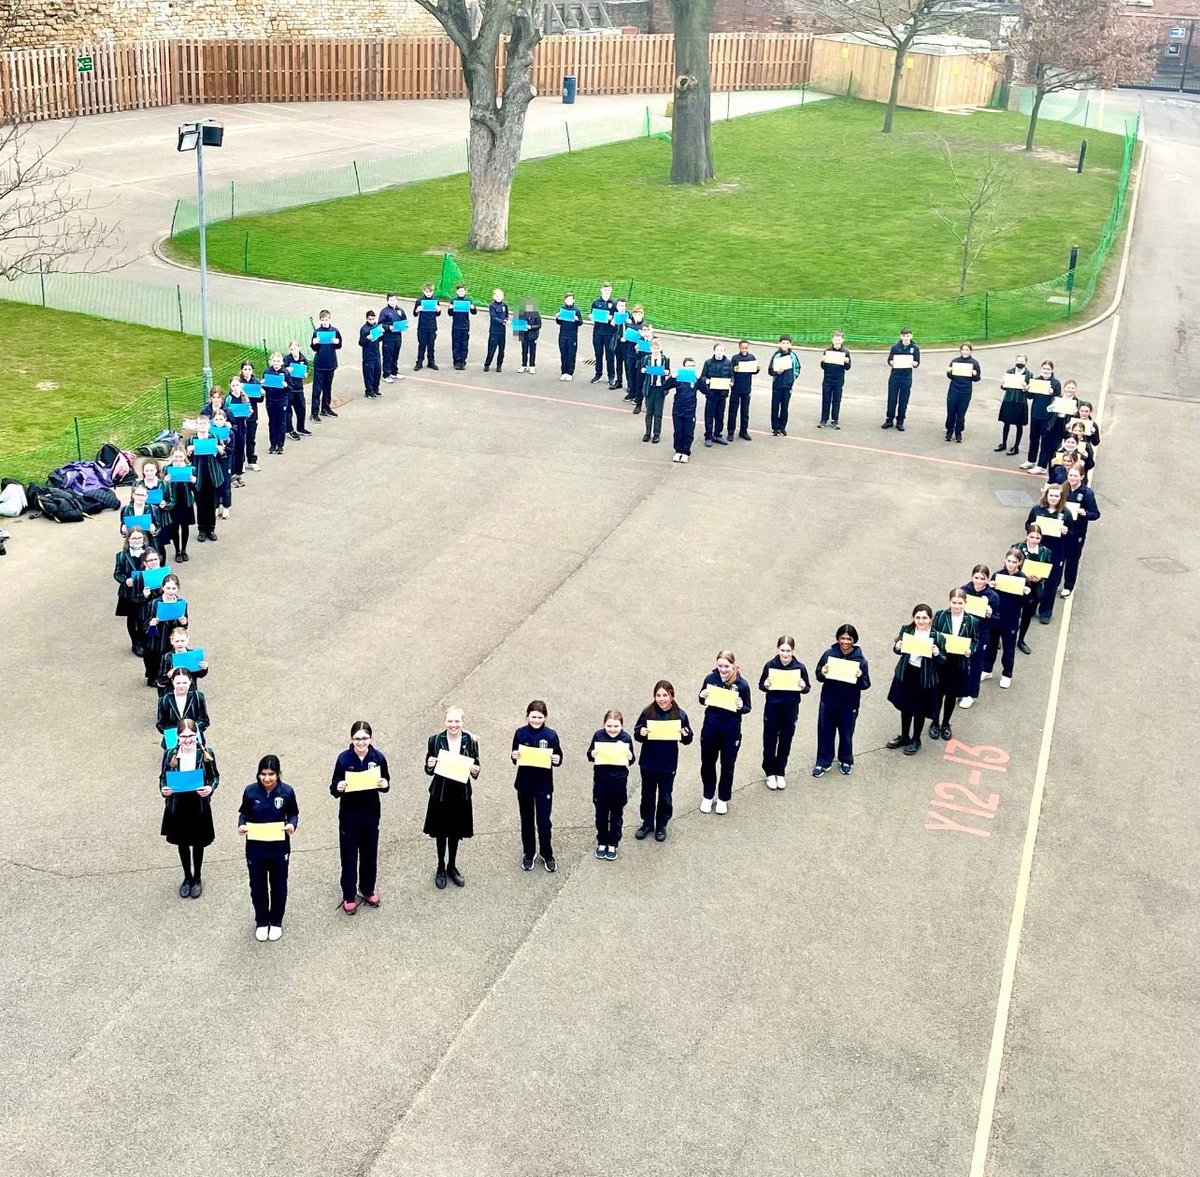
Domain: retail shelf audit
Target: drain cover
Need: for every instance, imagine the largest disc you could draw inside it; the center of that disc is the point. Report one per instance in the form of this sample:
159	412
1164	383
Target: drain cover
1162	564
1014	498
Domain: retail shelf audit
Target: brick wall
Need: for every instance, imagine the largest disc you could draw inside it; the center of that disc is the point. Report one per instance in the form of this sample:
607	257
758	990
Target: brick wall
743	16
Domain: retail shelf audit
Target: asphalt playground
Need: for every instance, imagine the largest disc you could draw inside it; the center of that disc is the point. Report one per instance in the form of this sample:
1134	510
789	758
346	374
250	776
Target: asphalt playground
852	977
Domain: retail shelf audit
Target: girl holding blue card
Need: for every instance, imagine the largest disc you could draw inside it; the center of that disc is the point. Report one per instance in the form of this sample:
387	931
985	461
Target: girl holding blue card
205	453
126	571
160	621
145	595
146	517
278	397
183	701
158	494
178	653
683	412
569	320
296	365
187	821
240	410
243	384
183	504
610	781
653	383
223	432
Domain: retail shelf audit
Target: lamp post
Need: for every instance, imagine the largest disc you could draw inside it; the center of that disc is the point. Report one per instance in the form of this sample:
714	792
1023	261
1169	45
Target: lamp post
196	137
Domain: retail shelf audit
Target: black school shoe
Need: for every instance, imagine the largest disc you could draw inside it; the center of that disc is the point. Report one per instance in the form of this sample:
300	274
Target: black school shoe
202	537
643	832
329	413
660	835
439	880
935	732
913	748
1024	648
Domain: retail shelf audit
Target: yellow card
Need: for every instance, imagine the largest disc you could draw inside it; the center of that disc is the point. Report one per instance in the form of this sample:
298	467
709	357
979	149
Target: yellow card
1089	427
719	383
977	606
745	367
360	782
962	368
1068	406
1038	568
264	831
614	752
902	361
664	729
958	644
1012	380
1074	508
528	757
841	670
724	698
783	680
1040	387
834	357
1049	525
910	643
454	766
1010	584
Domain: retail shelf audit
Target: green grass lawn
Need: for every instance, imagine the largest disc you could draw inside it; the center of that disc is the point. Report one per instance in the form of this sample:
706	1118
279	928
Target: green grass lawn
58	366
811	202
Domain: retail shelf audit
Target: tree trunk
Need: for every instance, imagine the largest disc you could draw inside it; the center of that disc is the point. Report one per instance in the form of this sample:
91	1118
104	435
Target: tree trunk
1038	95
493	162
965	261
691	130
894	94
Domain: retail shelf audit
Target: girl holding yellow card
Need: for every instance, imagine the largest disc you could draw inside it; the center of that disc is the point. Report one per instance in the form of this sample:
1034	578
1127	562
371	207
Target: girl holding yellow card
844	675
960	639
914	689
267	818
785	680
1007	621
982	601
1050	514
1081	502
1035	564
536	752
360	774
726	698
660	729
187	821
611	754
452	759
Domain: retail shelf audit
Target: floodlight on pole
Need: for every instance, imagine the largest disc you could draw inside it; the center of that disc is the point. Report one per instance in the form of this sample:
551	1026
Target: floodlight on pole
196	137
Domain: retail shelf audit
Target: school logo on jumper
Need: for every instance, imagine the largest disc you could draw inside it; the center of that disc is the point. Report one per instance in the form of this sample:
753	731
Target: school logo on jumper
278	802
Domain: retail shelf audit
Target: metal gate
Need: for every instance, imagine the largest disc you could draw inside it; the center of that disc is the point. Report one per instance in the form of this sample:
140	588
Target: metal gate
1178	66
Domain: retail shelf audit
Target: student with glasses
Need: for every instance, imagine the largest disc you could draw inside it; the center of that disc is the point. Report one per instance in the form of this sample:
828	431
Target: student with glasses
187	821
358	814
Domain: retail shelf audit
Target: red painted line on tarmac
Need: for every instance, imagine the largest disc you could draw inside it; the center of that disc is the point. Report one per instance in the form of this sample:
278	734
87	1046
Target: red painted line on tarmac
837	445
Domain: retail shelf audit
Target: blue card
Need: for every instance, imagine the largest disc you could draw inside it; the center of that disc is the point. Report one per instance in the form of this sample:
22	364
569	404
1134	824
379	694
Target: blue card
253	390
298	371
620	317
325	336
566	315
274	380
685	375
655	370
599	314
461	305
221	432
141	521
189	659
152	578
632	335
170	740
643	345
375	333
400	325
519	325
169	610
429	304
183	473
238	409
204	446
154	496
185	782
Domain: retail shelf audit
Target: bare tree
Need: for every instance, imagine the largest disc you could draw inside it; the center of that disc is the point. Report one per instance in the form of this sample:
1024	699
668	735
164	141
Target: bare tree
497	119
691	122
1076	44
896	24
974	216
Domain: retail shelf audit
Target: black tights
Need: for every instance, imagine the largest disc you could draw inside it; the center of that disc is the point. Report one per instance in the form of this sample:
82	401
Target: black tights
1016	445
181	537
911	725
947	708
133	629
447	848
1028	609
192	858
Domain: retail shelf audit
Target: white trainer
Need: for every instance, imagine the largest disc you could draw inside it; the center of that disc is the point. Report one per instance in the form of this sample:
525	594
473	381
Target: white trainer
781	782
1005	682
966	703
531	371
260	934
1064	593
1026	465
706	805
986	675
722	806
771	783
683	458
274	932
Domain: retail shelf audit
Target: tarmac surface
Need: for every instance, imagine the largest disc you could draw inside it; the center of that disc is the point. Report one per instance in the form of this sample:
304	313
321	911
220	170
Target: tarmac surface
808	985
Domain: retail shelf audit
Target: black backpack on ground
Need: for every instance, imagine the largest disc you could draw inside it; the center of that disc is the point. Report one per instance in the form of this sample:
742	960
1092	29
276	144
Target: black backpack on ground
92	502
60	505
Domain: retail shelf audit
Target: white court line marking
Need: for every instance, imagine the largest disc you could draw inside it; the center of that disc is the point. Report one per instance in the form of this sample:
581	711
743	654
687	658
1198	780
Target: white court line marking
991	1079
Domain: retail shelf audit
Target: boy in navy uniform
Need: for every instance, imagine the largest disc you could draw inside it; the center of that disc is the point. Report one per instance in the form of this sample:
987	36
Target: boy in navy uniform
569	320
835	363
716	378
370	334
900	379
628	355
497	326
745	365
784	368
295	363
604	337
426	328
325	363
392	314
460	327
683	415
964	374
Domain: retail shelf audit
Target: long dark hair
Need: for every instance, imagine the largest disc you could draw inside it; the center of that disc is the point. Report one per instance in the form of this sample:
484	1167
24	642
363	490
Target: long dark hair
649	713
268	764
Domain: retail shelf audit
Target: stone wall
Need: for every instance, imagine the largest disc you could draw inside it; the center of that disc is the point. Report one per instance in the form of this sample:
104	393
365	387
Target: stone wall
33	23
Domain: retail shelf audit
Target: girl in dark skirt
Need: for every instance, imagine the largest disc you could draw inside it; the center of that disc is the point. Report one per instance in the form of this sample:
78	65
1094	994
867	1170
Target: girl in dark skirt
126	572
158	495
158	633
183	507
954	674
448	815
187	817
1014	408
914	689
182	702
979	587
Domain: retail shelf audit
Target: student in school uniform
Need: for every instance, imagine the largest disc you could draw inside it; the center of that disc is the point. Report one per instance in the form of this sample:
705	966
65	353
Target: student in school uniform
460	325
781	709
237	402
1050	514
181	700
126	568
278	397
210	477
245	379
837	712
296	365
979	586
358	816
1031	548
1069	456
143	604
529	337
535	786
223	432
784	369
157	634
1091	427
427	329
268	801
954	670
569	320
325	362
389	316
914	688
1039	415
745	365
655	387
604	337
900	378
628	355
659	760
721	732
1083	447
158	496
1084	510
139	507
187	822
183	506
620	321
835	363
1014	407
180	642
958	392
448	816
498	317
370	340
683	412
610	783
1055	428
1006	623
716	379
